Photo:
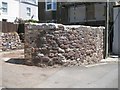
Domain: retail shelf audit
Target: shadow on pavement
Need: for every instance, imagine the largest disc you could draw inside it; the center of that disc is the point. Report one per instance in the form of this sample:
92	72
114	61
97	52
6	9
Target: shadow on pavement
16	61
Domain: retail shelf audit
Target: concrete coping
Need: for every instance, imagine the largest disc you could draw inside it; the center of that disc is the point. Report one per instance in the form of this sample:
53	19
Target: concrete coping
57	26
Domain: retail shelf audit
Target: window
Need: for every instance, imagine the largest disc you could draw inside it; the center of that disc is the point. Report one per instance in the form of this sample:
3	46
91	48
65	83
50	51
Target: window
4	7
51	5
28	11
4	20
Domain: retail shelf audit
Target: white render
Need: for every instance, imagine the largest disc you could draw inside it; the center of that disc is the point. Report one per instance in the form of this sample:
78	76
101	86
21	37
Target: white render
17	9
12	11
34	10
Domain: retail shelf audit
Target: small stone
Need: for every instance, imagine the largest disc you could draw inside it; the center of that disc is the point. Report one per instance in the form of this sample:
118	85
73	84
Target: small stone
51	55
45	59
40	54
60	50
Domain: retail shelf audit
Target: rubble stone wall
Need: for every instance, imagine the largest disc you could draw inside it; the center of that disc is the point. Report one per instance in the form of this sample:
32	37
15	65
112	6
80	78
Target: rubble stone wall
10	41
47	45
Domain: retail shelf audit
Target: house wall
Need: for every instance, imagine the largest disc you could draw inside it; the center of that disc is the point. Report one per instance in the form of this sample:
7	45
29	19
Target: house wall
80	14
116	40
77	14
62	13
95	16
66	14
49	16
23	11
45	16
41	11
18	9
13	10
100	11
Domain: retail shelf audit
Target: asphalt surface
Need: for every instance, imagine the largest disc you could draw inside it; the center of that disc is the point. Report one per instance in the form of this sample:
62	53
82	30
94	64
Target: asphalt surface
100	76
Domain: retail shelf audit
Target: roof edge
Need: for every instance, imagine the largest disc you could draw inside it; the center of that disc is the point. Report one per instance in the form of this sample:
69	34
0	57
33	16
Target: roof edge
116	6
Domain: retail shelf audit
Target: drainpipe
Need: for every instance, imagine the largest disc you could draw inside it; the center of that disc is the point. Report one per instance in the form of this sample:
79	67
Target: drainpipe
19	8
106	29
60	7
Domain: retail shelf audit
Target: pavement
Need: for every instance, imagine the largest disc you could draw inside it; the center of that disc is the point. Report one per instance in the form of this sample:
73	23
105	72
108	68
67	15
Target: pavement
111	59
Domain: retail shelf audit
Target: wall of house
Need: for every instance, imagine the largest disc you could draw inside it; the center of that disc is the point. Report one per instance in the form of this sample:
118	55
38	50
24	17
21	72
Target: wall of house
12	12
77	14
41	11
99	11
80	14
17	9
116	36
23	11
49	16
46	16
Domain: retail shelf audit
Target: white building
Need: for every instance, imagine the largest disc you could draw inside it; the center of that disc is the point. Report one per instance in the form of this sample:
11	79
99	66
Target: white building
24	9
9	10
28	9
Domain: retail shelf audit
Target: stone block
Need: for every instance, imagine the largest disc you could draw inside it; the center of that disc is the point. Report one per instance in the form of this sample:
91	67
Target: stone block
68	45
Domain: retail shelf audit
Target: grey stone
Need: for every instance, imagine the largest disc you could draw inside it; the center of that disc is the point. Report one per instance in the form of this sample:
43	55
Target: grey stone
74	46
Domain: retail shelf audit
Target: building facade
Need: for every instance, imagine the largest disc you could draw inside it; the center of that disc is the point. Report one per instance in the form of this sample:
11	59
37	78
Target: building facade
116	36
9	10
24	9
28	9
75	13
86	13
47	11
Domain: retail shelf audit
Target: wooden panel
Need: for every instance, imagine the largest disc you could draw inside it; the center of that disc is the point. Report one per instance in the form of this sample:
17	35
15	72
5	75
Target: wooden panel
8	27
77	14
90	11
100	11
80	13
71	14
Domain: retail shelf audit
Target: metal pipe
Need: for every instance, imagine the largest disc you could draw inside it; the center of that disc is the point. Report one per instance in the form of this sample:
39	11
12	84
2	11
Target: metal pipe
107	28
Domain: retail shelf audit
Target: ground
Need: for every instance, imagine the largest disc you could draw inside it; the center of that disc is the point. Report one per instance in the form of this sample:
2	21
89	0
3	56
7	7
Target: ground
16	75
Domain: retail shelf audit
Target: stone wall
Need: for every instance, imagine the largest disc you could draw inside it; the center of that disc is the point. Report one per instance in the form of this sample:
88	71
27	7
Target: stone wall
51	44
10	41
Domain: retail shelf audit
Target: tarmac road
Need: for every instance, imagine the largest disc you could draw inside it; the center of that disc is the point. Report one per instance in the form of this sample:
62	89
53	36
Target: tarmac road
100	76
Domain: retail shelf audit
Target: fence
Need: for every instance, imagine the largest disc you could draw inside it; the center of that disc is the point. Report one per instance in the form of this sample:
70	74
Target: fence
9	27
